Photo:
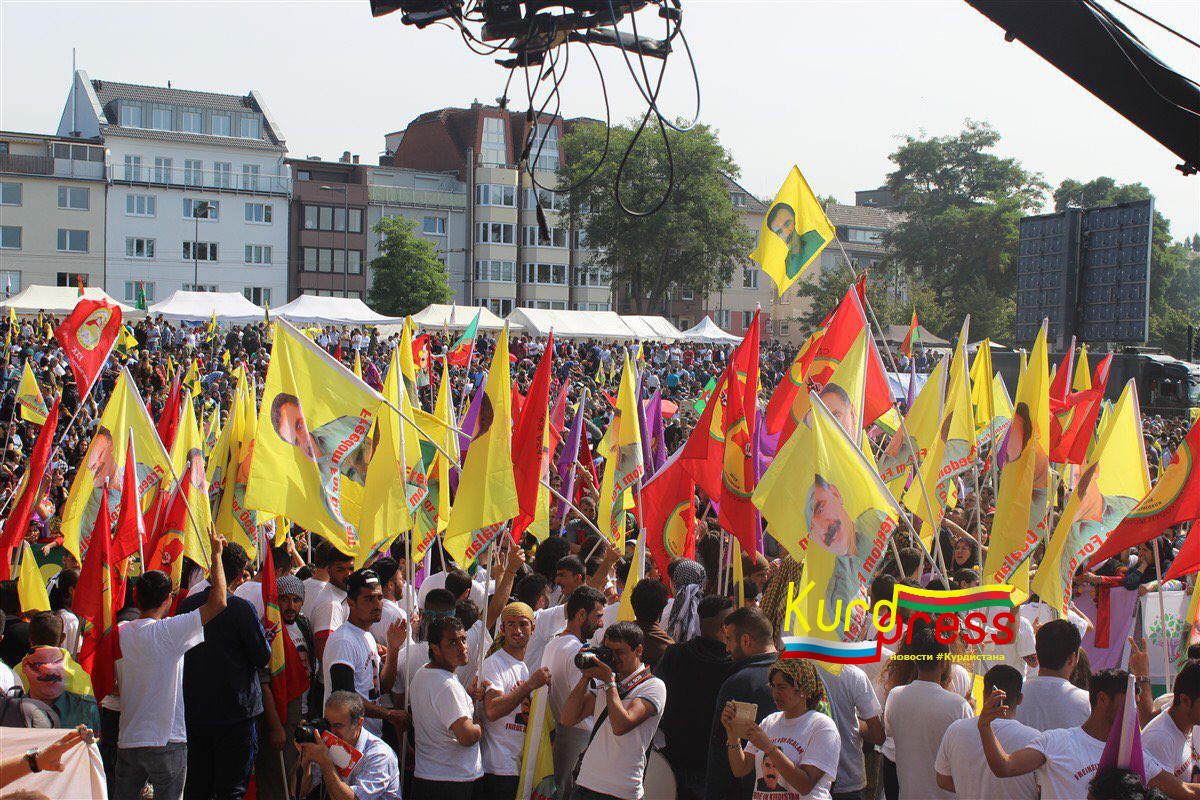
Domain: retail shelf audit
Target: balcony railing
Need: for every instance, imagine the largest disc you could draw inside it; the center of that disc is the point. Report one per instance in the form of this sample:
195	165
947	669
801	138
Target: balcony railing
178	177
408	196
26	165
74	168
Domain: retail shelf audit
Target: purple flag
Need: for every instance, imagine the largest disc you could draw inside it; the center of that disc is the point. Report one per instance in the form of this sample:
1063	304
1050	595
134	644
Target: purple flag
469	421
570	452
1123	748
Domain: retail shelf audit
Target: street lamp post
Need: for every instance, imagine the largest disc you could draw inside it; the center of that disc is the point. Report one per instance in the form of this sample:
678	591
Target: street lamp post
199	209
345	190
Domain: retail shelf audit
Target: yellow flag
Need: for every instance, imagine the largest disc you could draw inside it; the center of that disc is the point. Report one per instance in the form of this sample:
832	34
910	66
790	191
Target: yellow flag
188	449
623	459
408	367
312	438
357	365
536	778
191	379
1023	500
793	233
104	464
828	508
921	424
1082	380
31	587
29	398
1109	487
487	491
233	456
385	512
432	514
636	571
983	404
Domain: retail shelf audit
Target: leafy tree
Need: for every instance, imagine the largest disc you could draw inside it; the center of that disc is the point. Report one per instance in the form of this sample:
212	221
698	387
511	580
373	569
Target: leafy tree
1174	277
692	242
407	275
958	240
890	307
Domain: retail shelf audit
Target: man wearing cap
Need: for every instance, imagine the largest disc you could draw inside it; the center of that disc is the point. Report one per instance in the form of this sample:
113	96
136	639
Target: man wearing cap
507	686
351	659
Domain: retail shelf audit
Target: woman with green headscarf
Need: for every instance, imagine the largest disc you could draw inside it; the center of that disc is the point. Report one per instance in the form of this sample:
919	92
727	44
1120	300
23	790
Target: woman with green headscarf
794	752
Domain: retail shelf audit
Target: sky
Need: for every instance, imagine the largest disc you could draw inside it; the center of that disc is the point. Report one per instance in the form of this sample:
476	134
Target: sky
828	86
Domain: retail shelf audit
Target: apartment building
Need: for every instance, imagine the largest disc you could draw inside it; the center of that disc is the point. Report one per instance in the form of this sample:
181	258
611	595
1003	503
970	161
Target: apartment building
509	259
329	229
198	188
52	196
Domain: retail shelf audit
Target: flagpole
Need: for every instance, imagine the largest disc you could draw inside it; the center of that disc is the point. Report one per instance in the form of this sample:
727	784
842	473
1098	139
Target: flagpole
1162	614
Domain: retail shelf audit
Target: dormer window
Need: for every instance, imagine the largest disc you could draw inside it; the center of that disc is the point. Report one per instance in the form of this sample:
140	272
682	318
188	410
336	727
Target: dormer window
250	128
131	116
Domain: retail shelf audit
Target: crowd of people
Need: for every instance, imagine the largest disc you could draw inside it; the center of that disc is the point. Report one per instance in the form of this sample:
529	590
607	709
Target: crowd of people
424	678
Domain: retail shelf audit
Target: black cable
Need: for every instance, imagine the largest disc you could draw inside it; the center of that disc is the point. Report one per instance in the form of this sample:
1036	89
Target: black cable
633	142
651	100
1162	25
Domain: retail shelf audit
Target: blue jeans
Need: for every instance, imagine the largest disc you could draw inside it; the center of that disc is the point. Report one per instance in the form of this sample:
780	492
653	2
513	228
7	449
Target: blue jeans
164	767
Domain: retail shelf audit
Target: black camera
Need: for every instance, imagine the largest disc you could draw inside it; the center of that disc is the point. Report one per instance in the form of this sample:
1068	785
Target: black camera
310	733
588	656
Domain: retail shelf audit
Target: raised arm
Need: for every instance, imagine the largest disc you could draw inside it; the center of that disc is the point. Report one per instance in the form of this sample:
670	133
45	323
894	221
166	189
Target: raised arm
1002	764
216	578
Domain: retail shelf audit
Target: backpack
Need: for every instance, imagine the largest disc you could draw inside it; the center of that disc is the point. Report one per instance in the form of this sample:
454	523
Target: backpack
19	711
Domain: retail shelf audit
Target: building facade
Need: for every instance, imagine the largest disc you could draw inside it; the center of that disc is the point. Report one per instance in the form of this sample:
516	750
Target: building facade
329	230
52	200
509	259
198	189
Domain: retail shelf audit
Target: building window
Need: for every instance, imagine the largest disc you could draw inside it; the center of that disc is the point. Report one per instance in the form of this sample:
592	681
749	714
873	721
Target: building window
501	306
309	261
220	125
738	199
551	201
74	197
492	148
250	128
544	149
434	226
10	237
495	194
259	295
131	291
10	194
494	270
531	236
303	175
356	220
200	287
131	116
139	248
326	219
160	119
592	306
162	170
687	294
310	218
133	168
141	205
356	262
200	251
76	152
597	277
749	278
258	254
548	274
747	320
864	235
785	327
72	279
494	232
721	317
193	172
259	213
250	176
580	239
72	241
201	209
549	305
223	174
10	279
191	122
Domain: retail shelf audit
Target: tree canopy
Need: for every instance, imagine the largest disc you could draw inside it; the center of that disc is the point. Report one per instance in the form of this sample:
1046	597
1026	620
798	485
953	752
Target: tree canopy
407	275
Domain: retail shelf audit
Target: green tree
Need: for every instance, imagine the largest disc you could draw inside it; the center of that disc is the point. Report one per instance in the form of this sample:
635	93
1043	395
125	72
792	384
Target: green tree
1174	277
958	240
692	242
408	275
830	285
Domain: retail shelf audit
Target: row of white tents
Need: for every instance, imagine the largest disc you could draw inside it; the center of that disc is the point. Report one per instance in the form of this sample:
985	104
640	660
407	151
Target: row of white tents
231	308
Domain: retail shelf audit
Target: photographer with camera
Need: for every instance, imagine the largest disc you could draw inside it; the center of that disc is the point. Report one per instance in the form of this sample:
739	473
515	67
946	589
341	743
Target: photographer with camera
376	774
585	614
614	760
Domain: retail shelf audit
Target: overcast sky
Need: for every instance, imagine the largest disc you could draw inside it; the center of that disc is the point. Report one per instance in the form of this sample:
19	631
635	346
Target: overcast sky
825	85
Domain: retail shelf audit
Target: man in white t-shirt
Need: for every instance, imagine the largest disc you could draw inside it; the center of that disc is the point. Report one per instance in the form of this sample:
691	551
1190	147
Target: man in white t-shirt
445	720
1049	699
314	583
961	767
507	686
1067	759
1020	653
152	745
329	607
628	706
855	709
1168	737
391	579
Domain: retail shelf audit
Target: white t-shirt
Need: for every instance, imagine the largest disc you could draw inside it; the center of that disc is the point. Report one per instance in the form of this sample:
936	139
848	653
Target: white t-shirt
478	640
1048	702
547	623
851	698
1169	746
504	738
306	657
8	678
559	658
329	612
413	656
392	611
920	713
615	764
811	739
1072	757
251	592
312	589
438	701
356	648
150	672
1014	653
70	630
961	757
1042	613
437	580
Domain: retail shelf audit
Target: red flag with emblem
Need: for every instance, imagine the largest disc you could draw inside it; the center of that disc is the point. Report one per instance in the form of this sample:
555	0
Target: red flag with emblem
289	679
87	336
131	529
530	455
669	514
99	594
17	523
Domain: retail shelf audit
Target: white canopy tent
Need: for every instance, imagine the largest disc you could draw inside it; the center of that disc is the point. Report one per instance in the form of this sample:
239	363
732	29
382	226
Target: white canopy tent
60	300
652	328
572	324
310	309
457	318
229	307
708	331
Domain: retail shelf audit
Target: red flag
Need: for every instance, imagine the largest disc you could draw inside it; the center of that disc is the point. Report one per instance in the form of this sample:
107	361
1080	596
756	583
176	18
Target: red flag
131	529
1073	421
87	336
530	455
558	416
589	464
1060	387
1175	499
669	514
35	474
166	549
168	421
517	404
420	350
337	351
79	284
736	513
99	595
289	679
906	347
